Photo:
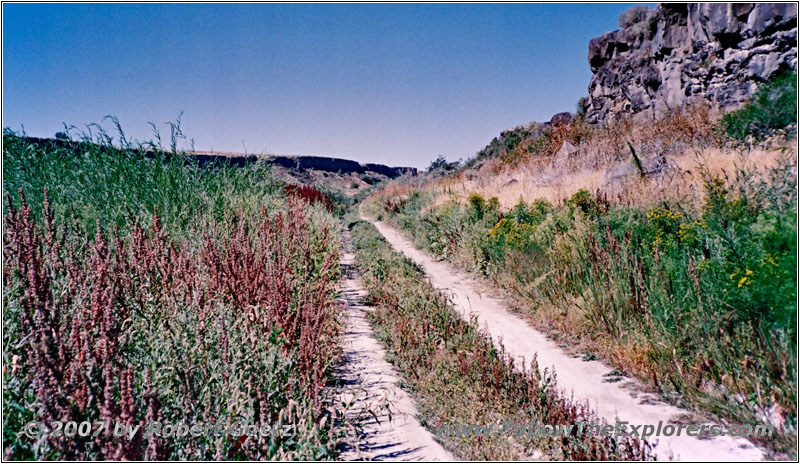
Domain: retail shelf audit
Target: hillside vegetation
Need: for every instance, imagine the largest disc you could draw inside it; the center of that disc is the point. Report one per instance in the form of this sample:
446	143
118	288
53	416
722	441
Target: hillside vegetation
683	276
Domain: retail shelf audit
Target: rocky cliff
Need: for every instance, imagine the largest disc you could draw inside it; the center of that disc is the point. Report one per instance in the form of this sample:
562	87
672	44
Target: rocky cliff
682	52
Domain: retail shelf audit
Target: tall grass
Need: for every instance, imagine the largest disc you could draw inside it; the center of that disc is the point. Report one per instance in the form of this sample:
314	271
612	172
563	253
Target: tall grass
141	289
98	181
458	376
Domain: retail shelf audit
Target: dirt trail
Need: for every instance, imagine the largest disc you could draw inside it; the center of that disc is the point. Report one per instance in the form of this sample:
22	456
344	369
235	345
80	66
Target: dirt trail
585	380
372	383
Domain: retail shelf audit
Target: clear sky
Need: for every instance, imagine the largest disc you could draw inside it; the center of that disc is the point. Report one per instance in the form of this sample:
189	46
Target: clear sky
396	84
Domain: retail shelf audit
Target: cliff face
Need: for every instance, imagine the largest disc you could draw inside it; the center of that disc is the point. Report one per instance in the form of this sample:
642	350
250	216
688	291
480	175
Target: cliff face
686	52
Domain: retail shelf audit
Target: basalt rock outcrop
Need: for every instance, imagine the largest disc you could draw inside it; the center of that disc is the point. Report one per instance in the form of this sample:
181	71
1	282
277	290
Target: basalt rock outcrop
682	53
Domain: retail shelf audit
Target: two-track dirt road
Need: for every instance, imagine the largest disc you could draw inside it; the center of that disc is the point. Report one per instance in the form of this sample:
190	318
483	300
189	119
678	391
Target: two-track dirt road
583	379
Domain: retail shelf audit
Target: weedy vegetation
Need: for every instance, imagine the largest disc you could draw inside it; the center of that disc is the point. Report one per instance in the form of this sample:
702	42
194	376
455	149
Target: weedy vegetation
639	18
140	289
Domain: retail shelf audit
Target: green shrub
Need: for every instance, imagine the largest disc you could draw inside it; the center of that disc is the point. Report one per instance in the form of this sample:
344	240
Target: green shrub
588	203
515	231
774	106
442	165
511	141
477	206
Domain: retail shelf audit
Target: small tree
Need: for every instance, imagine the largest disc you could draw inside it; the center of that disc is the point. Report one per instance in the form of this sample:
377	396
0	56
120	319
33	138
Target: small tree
582	106
441	164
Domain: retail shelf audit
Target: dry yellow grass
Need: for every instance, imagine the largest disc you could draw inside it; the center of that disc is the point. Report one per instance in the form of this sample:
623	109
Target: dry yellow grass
540	178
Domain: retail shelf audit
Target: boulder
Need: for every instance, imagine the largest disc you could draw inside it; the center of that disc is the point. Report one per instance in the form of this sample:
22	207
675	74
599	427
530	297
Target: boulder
561	118
652	167
564	153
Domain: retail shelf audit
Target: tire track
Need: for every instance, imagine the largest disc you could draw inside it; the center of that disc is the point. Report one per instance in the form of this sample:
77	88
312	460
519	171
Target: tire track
370	383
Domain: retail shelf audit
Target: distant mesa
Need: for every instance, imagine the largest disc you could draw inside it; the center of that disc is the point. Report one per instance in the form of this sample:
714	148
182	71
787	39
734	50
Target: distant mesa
321	163
318	163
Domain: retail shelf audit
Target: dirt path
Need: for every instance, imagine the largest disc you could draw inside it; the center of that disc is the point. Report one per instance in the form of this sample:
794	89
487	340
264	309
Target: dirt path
585	380
373	384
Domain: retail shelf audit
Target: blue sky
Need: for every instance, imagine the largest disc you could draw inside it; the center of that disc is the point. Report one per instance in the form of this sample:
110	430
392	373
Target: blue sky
396	84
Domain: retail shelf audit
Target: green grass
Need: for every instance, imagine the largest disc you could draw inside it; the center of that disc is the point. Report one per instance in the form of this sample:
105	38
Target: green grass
100	182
